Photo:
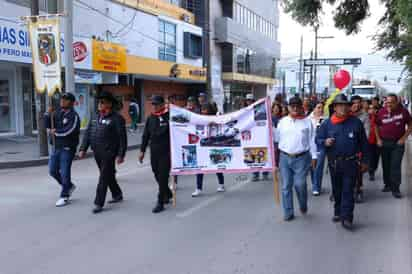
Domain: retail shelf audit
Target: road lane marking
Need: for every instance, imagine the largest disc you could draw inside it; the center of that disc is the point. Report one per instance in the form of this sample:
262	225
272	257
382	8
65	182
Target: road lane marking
205	203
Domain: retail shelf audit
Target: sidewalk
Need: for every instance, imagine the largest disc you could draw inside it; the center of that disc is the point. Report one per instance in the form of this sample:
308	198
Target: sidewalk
22	151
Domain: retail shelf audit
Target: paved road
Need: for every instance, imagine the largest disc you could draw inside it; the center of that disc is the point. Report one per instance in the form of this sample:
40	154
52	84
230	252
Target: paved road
238	232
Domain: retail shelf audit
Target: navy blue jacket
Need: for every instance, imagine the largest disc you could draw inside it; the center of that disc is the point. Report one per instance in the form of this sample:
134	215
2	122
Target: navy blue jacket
350	138
67	125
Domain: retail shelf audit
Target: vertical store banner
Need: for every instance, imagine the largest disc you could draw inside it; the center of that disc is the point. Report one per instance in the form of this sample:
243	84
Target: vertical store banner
239	142
45	45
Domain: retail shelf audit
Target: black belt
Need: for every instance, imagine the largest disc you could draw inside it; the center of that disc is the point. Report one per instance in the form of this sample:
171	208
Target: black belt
346	158
294	155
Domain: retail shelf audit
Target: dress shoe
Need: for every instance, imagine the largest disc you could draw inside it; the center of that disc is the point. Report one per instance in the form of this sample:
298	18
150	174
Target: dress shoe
347	224
386	189
116	200
359	198
97	209
397	194
289	218
158	208
336	219
331	198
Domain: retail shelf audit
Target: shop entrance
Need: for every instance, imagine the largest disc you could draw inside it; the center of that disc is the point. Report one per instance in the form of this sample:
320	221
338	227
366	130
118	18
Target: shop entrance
6	105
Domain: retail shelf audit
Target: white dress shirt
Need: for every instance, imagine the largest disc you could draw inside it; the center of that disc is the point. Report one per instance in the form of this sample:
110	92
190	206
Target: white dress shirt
296	136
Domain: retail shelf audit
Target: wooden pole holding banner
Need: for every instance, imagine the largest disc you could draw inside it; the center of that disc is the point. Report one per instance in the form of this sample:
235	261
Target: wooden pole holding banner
276	186
174	187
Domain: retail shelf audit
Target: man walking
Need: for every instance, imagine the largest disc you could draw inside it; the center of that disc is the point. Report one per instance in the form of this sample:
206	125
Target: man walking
295	135
64	128
106	135
393	126
156	133
343	137
363	116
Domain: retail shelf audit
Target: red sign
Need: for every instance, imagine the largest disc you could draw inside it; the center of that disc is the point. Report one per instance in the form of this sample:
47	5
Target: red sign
79	51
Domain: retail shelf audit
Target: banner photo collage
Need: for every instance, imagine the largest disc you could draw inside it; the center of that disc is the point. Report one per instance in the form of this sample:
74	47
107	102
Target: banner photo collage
238	142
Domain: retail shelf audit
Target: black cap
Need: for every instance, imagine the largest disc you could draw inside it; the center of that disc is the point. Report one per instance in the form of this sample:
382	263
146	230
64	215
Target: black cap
341	99
355	97
295	101
107	96
157	100
69	97
202	94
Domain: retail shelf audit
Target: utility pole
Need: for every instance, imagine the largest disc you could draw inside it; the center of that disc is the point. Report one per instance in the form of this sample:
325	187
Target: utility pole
40	102
68	46
301	75
315	69
311	73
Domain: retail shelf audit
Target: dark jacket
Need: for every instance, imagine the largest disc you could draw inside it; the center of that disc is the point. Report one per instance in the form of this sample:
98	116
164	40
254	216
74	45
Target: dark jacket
156	133
67	125
106	134
350	138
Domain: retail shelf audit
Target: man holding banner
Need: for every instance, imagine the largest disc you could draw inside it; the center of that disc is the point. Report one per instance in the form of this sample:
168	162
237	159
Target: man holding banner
296	137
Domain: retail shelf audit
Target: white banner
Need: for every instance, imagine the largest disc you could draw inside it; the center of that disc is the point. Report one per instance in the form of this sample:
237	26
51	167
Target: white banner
239	142
45	44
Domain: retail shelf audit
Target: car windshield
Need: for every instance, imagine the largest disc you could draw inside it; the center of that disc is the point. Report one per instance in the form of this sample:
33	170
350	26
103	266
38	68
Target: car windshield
363	91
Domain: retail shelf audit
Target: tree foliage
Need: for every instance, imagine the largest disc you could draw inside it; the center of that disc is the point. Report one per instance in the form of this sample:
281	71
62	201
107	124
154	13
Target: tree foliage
395	35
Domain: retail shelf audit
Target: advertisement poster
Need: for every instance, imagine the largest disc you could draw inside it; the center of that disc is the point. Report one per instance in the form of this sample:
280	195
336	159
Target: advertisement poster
82	104
109	57
233	143
45	44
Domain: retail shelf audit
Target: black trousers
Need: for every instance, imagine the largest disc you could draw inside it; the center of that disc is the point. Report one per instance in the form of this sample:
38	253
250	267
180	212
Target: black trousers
160	162
344	175
107	179
374	154
392	155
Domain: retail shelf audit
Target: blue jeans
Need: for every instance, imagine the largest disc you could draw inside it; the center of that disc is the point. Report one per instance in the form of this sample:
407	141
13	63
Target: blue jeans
293	172
199	180
317	173
60	165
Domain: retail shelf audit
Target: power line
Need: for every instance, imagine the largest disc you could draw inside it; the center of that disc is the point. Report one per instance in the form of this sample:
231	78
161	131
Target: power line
87	6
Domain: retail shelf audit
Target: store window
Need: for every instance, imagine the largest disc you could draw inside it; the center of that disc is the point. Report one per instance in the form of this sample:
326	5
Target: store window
5	107
167	47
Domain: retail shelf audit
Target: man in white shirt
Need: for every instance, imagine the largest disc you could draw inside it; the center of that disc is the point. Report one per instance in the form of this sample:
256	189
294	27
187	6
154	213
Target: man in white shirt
296	137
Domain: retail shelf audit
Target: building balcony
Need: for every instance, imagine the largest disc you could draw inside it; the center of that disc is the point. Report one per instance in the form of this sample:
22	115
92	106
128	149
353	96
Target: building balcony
231	32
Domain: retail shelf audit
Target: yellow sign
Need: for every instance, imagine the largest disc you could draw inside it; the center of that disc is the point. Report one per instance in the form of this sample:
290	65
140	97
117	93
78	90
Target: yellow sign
109	57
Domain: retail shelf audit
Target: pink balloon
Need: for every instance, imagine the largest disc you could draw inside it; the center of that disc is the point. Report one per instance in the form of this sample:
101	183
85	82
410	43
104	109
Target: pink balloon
342	79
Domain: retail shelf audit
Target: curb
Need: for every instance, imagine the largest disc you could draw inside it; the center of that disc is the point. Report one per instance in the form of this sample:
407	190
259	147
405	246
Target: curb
44	161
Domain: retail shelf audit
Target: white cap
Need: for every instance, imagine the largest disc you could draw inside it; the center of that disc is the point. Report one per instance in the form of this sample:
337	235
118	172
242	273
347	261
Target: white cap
250	96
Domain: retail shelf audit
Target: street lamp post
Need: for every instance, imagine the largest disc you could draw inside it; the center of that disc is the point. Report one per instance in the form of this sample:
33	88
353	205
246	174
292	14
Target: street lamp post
315	70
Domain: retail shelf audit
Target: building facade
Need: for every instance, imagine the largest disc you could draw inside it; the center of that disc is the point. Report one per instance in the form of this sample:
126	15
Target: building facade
154	46
243	49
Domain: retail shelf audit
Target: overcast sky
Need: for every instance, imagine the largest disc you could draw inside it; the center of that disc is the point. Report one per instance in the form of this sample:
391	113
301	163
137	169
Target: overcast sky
374	65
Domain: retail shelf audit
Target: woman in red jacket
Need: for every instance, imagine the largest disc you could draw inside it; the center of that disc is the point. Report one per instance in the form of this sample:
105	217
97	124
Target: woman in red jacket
373	148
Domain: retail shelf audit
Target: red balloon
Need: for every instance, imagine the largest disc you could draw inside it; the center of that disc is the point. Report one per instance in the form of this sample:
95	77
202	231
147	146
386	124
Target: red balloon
342	79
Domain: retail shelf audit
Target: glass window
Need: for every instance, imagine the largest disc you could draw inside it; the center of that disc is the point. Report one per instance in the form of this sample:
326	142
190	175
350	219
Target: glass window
167	42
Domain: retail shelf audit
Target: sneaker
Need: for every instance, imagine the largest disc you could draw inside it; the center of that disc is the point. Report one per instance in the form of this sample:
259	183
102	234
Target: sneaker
158	208
359	198
316	193
62	202
72	189
221	189
197	193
